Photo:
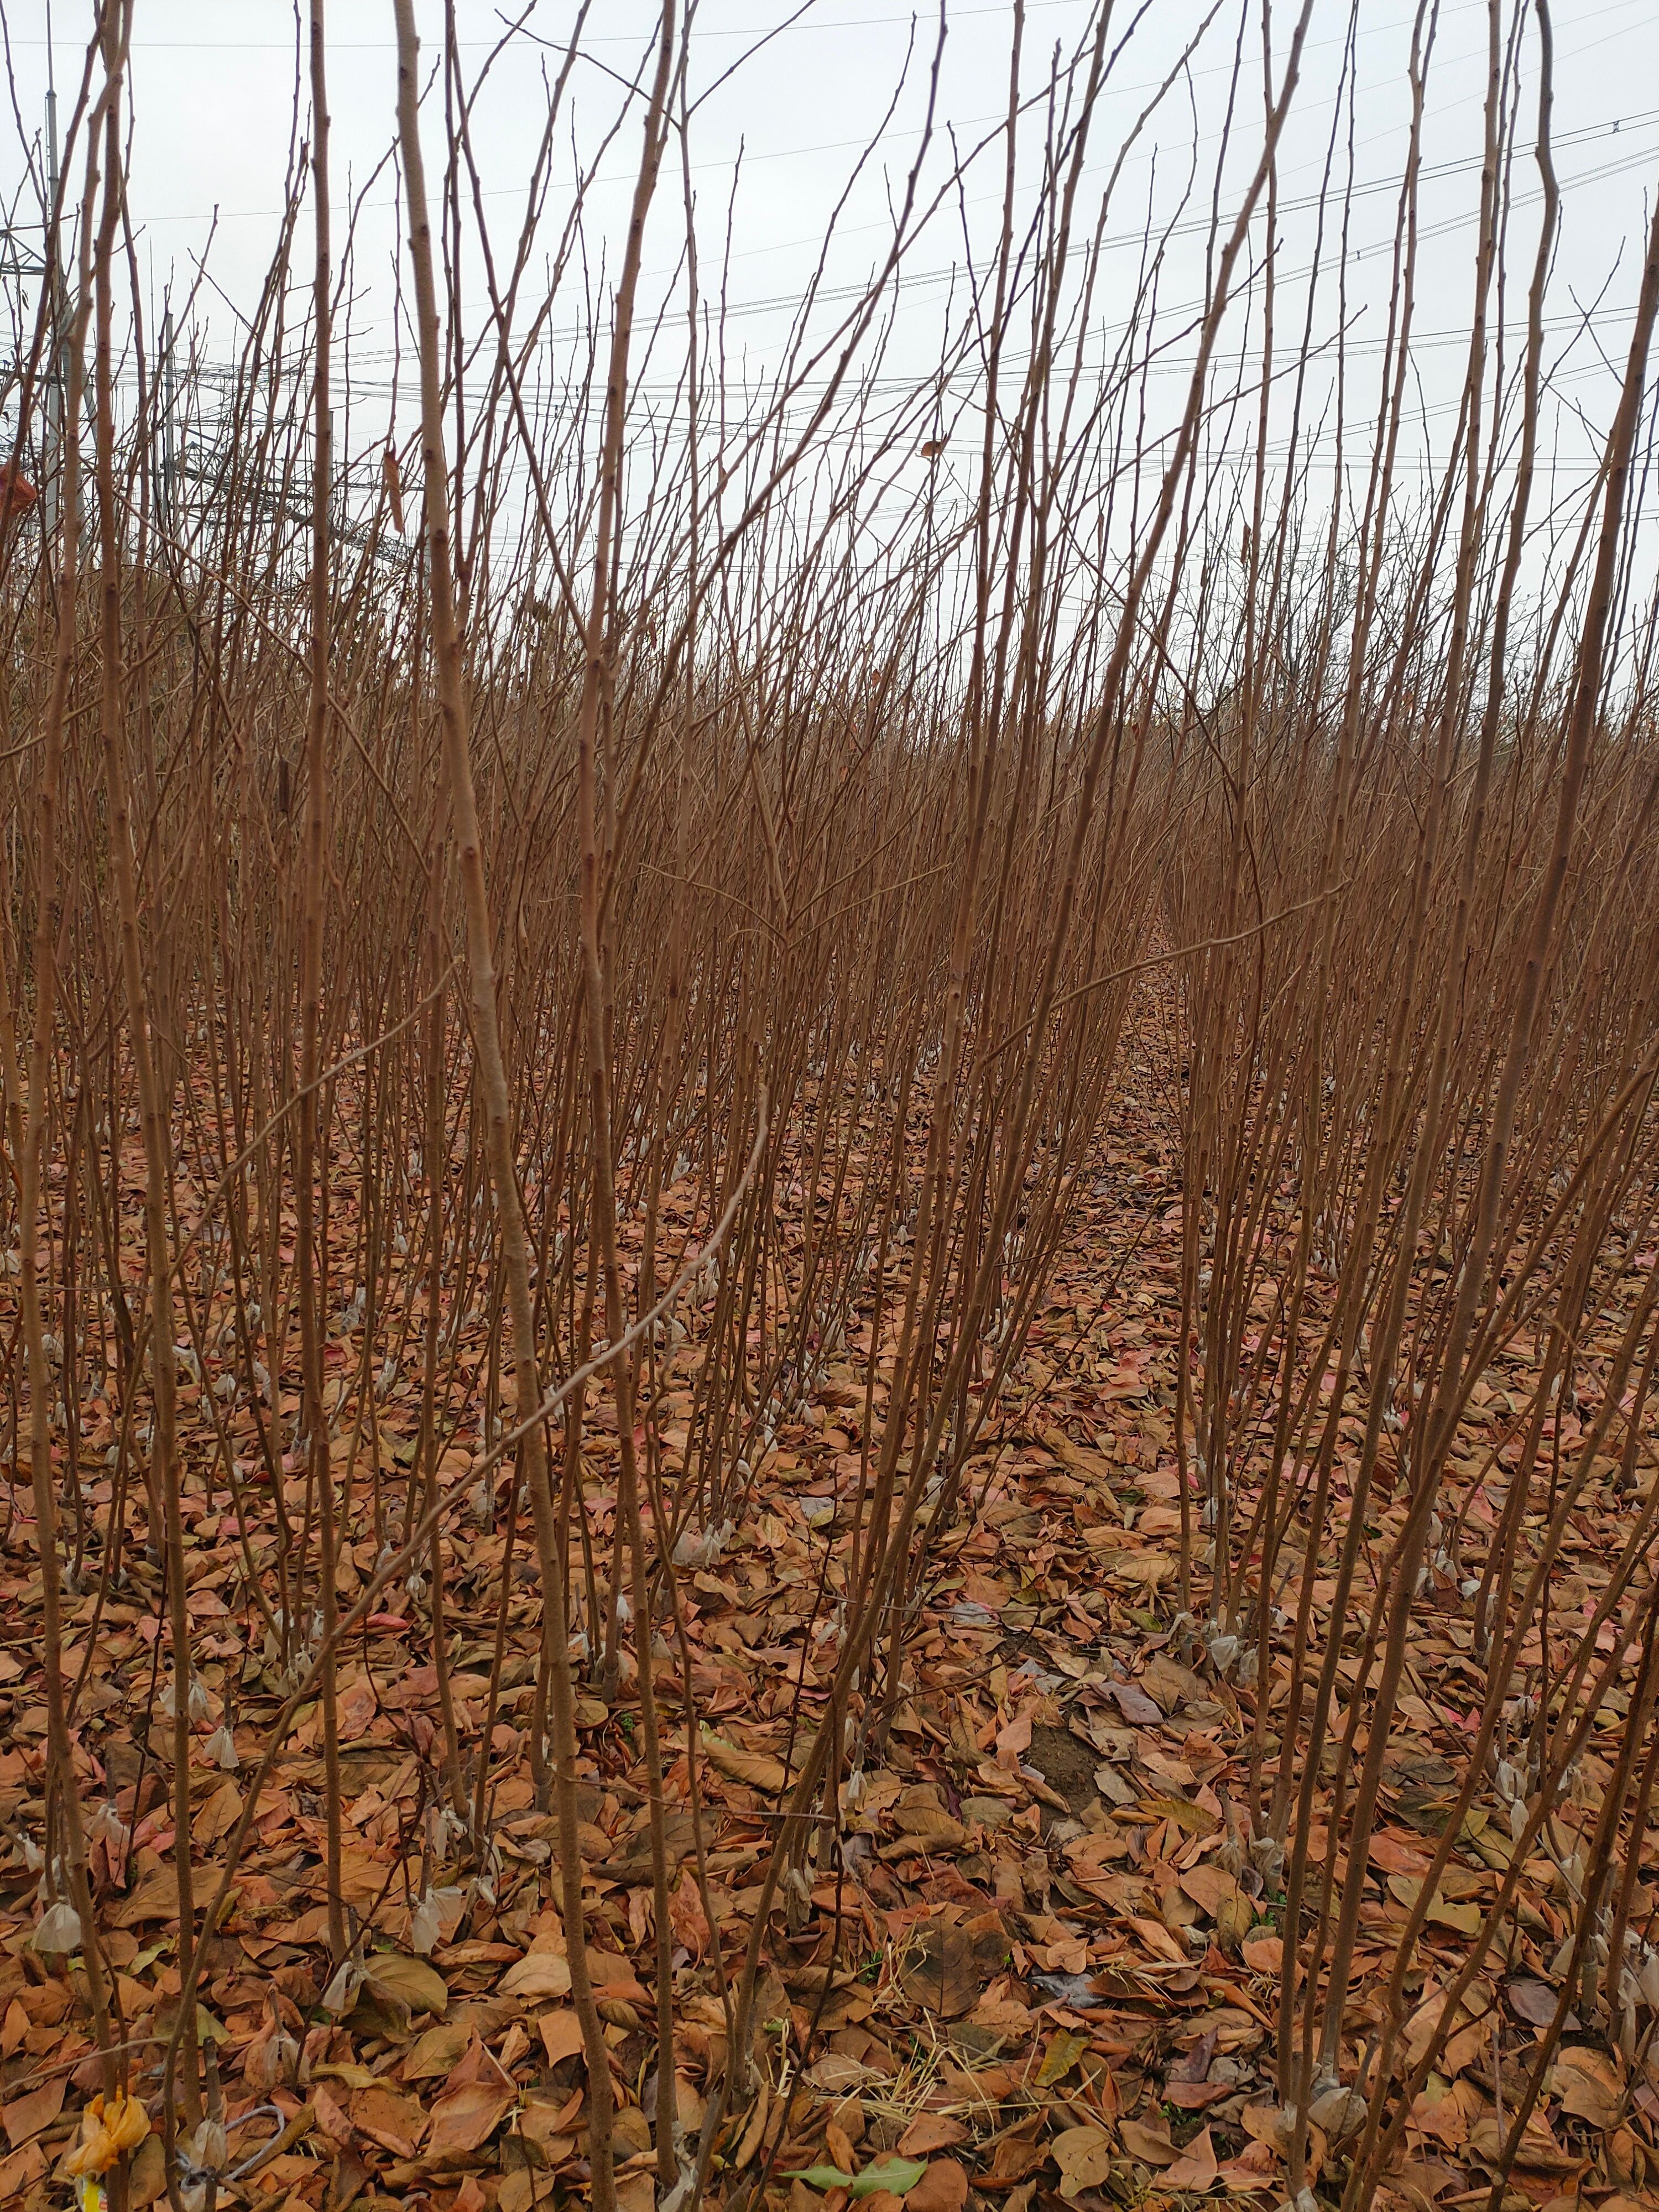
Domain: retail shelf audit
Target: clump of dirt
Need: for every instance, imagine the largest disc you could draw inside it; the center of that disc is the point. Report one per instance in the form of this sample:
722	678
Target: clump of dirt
1064	1763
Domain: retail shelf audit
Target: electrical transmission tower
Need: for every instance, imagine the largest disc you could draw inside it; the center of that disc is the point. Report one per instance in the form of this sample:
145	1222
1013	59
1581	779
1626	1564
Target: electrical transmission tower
193	460
21	264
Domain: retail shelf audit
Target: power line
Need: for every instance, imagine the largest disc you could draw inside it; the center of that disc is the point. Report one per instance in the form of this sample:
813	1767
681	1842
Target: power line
836	294
807	22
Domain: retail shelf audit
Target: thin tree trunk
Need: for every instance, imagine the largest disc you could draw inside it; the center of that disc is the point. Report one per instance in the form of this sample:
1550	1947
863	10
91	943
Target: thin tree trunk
497	1100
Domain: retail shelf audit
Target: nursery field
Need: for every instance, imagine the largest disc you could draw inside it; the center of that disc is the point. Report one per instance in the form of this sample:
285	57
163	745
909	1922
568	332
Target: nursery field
827	1254
1037	1947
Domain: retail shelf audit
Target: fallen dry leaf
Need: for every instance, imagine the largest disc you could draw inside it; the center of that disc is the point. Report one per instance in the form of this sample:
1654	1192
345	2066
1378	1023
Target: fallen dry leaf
949	1966
561	2035
464	2118
26	2116
1084	2155
537	1975
1196	2167
928	2132
757	1768
942	2188
396	2123
412	1981
1589	2083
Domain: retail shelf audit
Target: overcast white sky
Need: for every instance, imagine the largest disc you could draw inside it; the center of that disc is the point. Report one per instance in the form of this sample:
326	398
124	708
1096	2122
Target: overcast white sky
213	83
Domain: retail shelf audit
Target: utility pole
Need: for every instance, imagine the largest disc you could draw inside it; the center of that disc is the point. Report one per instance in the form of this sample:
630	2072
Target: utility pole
52	456
166	504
